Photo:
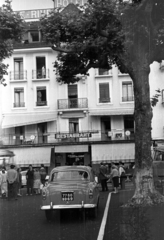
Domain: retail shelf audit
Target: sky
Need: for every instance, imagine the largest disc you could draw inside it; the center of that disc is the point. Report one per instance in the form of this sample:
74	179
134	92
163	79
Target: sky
29	4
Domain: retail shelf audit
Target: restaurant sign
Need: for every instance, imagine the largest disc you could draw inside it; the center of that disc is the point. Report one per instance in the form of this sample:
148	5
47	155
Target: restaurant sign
72	135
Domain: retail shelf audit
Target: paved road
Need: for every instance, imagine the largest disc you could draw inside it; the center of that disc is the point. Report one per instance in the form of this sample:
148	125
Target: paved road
22	220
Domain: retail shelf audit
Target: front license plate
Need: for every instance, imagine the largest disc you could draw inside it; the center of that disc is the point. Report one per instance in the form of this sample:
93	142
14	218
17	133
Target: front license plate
67	196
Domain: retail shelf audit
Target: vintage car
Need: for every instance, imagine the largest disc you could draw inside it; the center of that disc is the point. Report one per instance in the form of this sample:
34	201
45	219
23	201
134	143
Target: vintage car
70	187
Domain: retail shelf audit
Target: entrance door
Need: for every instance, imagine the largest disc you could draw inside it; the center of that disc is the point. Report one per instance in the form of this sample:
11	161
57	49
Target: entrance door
72	96
42	130
19	133
105	128
129	126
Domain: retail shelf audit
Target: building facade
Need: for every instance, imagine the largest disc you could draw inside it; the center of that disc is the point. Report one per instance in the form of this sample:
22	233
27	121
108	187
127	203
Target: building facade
44	122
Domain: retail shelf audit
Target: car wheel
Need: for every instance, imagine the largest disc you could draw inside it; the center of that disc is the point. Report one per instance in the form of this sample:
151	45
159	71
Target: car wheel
93	212
48	214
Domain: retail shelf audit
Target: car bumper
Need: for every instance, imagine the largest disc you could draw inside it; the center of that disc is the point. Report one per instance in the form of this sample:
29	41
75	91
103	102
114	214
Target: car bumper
74	206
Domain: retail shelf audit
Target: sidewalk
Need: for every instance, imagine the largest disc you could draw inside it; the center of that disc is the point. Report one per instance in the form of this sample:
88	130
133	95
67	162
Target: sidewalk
133	223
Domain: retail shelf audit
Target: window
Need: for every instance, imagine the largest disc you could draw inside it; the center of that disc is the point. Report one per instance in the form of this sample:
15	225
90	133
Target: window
41	96
18	69
19	97
104	93
72	96
40	67
127	92
34	36
73	125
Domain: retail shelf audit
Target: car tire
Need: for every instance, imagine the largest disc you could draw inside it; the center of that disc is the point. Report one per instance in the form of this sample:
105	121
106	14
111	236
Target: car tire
48	214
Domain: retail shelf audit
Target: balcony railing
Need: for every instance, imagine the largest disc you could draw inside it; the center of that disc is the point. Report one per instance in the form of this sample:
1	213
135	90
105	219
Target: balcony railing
63	137
19	104
18	75
40	74
41	103
73	103
128	99
104	100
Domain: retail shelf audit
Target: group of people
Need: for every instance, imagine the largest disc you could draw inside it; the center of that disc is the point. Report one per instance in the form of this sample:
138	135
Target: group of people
11	181
35	178
116	175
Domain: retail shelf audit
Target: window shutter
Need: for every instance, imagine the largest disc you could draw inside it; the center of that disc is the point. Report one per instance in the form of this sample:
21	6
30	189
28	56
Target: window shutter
104	91
72	90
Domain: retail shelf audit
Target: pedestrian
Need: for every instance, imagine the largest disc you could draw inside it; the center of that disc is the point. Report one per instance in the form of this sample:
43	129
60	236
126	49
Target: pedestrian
37	181
121	173
11	182
19	182
43	174
115	178
103	177
30	180
4	183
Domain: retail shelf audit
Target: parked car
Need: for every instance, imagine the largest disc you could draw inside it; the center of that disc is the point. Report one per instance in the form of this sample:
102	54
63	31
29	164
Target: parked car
70	187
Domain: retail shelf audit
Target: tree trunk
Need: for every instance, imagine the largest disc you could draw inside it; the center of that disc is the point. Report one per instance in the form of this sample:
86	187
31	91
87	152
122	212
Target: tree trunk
145	192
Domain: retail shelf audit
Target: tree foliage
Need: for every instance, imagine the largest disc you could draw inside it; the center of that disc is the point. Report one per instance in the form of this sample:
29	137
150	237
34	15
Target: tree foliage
11	28
129	34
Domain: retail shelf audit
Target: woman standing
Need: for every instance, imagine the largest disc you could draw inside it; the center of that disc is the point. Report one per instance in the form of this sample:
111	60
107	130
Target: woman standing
37	181
19	182
4	183
115	178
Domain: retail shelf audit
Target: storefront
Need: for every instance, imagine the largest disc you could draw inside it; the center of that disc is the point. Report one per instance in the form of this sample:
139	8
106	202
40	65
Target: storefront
72	155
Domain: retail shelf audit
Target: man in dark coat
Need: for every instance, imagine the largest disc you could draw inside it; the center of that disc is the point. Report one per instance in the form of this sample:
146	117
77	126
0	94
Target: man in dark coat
30	180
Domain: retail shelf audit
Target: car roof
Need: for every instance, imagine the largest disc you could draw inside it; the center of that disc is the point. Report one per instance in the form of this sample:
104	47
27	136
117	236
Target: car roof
67	168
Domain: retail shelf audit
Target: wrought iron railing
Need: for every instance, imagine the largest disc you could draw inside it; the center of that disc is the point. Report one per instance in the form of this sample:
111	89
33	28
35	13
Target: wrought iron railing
40	74
41	103
73	103
62	137
19	104
104	100
128	99
18	75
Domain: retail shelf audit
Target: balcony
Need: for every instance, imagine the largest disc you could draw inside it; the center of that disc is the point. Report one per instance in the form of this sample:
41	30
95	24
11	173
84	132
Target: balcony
41	103
40	74
128	99
67	137
18	104
73	103
18	75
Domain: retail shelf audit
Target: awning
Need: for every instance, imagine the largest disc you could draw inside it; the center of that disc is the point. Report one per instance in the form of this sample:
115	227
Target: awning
32	155
111	112
71	149
124	152
27	119
6	153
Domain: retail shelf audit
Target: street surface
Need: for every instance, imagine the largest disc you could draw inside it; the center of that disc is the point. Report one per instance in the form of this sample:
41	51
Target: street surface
23	220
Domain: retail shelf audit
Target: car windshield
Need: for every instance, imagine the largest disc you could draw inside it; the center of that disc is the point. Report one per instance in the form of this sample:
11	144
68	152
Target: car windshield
70	175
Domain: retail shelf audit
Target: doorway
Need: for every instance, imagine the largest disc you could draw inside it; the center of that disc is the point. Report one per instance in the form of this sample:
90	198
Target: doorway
42	132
